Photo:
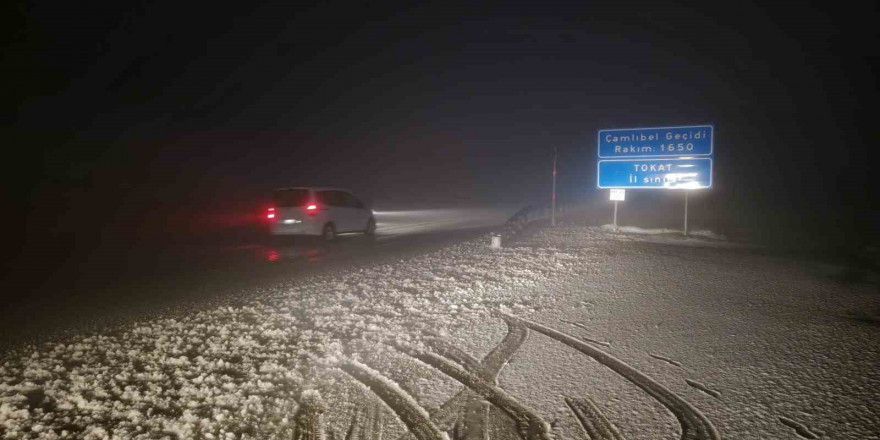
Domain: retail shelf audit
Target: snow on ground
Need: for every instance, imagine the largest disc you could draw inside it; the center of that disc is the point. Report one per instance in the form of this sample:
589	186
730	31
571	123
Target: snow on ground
238	370
701	233
761	348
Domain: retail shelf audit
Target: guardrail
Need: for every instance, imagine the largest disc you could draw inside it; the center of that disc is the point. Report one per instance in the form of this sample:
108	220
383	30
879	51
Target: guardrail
530	214
523	217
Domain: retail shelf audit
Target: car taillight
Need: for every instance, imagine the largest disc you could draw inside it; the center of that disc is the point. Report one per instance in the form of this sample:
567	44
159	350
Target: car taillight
312	209
271	213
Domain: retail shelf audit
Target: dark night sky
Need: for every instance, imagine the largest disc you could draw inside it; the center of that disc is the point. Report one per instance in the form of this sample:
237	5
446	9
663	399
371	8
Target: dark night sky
126	110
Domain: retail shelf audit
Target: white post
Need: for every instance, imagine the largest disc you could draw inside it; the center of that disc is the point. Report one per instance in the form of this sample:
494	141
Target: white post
553	200
496	242
615	216
686	213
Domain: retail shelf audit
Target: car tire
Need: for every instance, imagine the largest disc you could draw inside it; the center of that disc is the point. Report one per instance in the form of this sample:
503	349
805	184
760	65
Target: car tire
329	232
371	227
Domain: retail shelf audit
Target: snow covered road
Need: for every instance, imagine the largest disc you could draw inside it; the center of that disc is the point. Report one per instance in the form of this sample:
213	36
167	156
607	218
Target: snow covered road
570	332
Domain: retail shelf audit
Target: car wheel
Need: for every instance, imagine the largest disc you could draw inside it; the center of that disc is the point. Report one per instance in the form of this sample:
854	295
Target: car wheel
329	232
371	227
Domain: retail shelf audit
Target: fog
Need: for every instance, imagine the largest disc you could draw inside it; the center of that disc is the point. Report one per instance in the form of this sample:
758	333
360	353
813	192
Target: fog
163	125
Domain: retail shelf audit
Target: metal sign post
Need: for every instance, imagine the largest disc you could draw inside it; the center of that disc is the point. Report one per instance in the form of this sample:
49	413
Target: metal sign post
686	213
553	201
617	195
615	216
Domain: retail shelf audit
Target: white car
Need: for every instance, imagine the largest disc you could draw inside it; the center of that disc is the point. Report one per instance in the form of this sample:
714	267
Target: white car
318	211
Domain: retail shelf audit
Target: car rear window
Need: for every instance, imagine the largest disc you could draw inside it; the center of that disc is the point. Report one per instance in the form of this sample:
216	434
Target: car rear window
291	198
331	198
351	201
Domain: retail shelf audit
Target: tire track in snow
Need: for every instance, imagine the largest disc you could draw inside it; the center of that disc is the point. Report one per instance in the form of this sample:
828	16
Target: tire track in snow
355	428
531	425
458	411
799	428
366	424
453	353
407	409
378	426
307	419
592	419
474	421
694	425
581	326
704	388
593	341
666	359
495	361
466	414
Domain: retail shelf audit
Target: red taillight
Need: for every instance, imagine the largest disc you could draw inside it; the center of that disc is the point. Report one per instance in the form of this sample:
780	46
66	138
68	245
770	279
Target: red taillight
271	213
312	209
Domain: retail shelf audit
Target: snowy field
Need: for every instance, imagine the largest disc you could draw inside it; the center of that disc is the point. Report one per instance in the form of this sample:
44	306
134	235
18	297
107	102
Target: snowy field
575	332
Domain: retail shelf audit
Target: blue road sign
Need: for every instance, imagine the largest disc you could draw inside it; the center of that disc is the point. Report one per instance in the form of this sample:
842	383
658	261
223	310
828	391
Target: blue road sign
624	143
678	173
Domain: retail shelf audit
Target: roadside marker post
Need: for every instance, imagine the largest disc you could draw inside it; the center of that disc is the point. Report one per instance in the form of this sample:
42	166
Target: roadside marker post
496	241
